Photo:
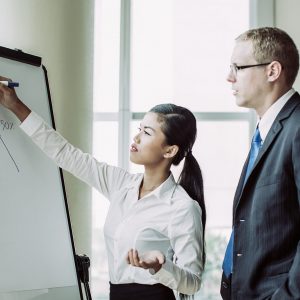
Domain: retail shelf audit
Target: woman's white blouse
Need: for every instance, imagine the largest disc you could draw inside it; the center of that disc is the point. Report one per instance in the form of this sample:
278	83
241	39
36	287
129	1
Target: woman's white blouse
167	219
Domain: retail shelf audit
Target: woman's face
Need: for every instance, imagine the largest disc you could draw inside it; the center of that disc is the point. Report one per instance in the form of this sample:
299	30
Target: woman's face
149	144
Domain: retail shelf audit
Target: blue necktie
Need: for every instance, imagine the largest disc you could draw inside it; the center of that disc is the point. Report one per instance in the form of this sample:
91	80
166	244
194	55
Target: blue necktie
255	146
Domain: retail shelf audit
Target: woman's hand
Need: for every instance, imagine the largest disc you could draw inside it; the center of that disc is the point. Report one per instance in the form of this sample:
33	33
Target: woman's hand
149	260
10	100
8	96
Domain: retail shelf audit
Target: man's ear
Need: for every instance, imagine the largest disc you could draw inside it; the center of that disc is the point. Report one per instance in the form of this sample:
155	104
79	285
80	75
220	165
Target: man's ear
274	70
171	151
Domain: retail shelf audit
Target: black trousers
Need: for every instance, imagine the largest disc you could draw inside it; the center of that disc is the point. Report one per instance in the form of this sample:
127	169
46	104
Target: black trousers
136	291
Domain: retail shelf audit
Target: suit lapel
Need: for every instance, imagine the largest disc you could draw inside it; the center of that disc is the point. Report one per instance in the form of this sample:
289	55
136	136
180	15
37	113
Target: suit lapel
275	129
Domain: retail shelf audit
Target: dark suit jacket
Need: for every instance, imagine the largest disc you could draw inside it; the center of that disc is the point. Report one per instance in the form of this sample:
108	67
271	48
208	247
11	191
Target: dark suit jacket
266	216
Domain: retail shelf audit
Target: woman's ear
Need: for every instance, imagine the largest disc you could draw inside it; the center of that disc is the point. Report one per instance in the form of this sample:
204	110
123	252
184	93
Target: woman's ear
171	151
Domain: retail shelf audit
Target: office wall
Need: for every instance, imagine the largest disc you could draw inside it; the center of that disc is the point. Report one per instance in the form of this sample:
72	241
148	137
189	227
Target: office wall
287	18
61	32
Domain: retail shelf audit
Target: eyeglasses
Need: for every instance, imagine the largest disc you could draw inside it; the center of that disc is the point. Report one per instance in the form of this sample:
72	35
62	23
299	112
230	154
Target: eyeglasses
234	67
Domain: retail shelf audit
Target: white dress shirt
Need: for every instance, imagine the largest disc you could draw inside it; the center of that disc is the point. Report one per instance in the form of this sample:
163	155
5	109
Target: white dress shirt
270	115
166	219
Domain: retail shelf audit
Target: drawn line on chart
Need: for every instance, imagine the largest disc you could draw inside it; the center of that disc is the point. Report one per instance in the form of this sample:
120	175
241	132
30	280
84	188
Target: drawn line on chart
9	153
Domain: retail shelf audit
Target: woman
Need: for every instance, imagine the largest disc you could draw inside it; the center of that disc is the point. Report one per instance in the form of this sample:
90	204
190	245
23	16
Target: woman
154	229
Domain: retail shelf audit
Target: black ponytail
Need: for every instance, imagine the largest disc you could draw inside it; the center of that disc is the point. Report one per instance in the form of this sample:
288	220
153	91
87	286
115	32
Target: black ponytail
180	128
191	180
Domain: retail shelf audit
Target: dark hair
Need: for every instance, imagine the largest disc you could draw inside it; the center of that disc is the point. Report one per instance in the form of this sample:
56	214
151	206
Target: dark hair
271	43
179	126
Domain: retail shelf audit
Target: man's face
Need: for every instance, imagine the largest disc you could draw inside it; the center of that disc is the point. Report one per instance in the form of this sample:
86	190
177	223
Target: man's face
249	85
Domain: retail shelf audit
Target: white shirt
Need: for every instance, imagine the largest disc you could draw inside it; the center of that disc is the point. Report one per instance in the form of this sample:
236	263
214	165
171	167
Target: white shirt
270	115
167	219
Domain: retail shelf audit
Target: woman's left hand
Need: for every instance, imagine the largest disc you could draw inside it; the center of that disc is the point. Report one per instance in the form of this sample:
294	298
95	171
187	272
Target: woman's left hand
148	260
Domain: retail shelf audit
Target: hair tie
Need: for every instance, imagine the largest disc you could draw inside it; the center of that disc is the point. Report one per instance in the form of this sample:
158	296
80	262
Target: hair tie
188	153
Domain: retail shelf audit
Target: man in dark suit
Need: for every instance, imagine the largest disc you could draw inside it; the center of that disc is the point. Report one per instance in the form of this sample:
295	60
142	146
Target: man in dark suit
262	260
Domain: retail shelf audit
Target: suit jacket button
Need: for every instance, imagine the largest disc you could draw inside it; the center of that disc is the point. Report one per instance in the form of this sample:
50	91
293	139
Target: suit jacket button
225	285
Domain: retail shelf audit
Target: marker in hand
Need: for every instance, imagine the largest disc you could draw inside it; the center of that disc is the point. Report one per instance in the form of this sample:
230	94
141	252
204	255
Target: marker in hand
10	83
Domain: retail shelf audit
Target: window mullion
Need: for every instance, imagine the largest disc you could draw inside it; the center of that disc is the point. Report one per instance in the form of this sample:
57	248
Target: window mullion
124	84
262	13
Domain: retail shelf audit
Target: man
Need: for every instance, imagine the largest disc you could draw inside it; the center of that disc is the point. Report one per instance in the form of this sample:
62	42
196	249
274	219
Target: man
262	260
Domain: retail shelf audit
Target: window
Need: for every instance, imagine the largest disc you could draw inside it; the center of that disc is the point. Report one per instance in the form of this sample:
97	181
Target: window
105	133
171	51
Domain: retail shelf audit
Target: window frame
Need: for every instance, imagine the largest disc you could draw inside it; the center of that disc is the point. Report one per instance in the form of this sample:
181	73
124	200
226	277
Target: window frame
262	13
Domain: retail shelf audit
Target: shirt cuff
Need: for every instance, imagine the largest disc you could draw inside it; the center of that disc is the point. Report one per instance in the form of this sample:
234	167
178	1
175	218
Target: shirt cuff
31	124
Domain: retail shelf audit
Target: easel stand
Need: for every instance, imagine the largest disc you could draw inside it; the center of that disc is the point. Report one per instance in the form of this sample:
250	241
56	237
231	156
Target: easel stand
83	264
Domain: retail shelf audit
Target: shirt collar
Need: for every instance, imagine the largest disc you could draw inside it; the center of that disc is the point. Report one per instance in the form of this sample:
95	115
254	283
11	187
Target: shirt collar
270	115
165	190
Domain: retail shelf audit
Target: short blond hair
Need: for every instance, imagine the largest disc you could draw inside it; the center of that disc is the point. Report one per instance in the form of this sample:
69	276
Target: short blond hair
270	44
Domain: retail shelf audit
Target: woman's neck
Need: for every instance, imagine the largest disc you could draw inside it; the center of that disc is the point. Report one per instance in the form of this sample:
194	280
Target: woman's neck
151	181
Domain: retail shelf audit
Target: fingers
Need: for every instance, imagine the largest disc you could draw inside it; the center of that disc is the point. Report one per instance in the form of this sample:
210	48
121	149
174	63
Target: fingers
153	255
160	257
149	264
3	81
4	78
149	260
133	258
8	96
